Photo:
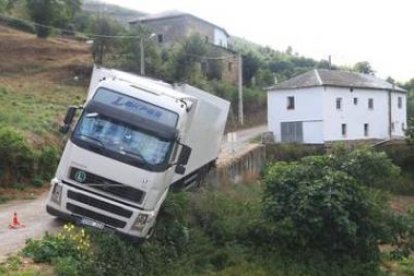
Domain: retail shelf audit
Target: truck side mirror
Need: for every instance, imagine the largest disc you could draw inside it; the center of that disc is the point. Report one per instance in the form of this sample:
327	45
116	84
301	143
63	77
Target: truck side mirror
70	114
179	169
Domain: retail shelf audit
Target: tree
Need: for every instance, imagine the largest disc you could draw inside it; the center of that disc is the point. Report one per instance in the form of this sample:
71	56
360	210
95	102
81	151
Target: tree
130	52
409	86
410	132
48	13
103	28
323	203
6	5
364	67
251	64
188	57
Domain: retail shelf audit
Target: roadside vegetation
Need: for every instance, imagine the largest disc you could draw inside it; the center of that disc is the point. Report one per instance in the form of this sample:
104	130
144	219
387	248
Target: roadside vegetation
313	216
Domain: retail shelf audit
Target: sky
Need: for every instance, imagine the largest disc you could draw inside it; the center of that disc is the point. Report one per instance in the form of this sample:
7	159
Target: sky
380	32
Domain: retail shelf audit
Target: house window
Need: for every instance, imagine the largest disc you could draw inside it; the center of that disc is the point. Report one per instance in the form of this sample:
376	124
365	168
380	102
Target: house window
291	102
204	67
343	128
392	127
160	38
355	101
230	66
366	130
338	103
371	103
399	102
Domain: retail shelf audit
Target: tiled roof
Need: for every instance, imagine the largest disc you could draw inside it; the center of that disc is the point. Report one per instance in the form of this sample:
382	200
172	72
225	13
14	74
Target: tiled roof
324	77
161	15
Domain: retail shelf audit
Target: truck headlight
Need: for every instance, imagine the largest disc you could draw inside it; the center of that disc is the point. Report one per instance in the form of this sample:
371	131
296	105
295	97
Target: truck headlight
140	222
56	193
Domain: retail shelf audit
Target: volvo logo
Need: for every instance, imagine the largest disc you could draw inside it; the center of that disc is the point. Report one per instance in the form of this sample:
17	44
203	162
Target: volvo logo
80	176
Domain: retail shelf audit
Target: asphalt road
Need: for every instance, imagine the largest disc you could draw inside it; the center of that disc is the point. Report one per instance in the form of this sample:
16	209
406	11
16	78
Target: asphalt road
32	213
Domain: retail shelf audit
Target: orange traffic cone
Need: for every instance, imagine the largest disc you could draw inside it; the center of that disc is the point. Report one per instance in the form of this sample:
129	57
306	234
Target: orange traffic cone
15	223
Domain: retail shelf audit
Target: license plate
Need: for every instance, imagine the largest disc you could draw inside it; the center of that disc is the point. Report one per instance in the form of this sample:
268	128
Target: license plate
92	223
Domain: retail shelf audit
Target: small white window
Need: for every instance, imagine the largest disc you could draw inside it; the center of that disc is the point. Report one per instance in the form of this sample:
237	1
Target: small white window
366	130
291	102
355	101
371	103
338	103
343	129
399	102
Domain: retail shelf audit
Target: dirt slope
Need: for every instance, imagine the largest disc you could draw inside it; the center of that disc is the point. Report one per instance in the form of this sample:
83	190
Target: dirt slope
24	53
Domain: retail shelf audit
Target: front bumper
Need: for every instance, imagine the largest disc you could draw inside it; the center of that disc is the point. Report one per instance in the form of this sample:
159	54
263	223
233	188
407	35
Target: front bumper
73	204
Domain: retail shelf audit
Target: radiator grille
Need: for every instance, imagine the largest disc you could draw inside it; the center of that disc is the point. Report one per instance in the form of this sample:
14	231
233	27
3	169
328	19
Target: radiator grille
99	204
106	185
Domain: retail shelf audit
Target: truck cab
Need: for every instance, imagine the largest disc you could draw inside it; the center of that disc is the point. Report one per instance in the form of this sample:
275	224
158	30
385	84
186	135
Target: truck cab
122	155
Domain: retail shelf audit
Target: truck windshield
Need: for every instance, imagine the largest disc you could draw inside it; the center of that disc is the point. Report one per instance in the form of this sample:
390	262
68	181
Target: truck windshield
122	140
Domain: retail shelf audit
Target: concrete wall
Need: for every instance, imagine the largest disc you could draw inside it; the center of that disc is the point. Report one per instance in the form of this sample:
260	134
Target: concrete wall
245	167
308	108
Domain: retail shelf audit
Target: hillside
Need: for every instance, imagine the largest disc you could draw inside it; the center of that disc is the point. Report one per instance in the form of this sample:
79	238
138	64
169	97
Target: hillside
38	79
120	14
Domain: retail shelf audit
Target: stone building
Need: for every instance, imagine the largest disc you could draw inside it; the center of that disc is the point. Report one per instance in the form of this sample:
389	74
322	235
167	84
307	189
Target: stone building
173	26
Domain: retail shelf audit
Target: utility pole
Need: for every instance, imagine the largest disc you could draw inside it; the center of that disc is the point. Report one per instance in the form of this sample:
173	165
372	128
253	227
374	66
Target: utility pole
141	47
142	54
240	78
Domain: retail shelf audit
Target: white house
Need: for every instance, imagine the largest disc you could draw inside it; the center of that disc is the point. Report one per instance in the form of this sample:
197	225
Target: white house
326	105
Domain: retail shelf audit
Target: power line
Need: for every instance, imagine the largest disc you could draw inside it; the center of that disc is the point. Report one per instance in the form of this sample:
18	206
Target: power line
110	36
69	31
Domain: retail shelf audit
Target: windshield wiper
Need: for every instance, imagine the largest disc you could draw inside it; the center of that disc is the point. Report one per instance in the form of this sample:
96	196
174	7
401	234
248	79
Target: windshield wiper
102	144
139	155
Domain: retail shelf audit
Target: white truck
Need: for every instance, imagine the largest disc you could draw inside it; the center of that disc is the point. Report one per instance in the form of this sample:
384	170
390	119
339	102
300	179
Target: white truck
135	138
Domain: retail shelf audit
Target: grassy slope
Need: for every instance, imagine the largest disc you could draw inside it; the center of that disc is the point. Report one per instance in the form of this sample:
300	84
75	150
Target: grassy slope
37	81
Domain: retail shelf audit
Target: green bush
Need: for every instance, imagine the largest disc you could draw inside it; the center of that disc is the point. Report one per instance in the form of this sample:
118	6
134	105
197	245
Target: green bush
17	162
320	203
48	158
20	163
370	168
291	152
18	24
66	266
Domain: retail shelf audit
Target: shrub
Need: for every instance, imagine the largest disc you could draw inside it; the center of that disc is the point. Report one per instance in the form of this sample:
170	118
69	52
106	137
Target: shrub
47	161
20	163
18	24
291	152
70	242
17	162
320	203
370	168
